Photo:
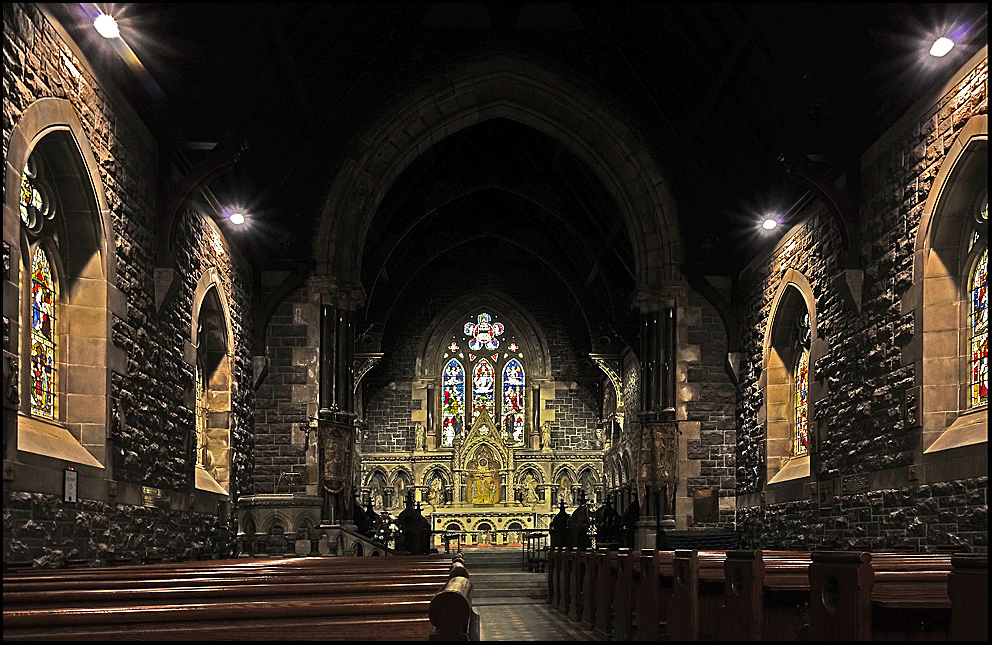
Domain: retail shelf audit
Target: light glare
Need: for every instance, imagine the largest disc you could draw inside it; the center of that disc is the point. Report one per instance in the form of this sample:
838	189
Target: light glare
769	223
106	26
941	46
237	218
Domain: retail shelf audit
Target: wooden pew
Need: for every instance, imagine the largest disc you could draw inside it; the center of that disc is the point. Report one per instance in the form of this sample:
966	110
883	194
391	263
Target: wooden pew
612	602
595	564
657	575
968	588
695	611
881	596
333	601
767	596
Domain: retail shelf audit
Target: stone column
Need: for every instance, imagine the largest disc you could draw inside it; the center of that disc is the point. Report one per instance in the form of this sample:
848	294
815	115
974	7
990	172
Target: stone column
336	413
657	472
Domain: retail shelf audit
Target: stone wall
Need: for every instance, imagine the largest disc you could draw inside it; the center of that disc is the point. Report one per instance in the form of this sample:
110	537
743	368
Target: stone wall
859	382
40	526
944	513
151	387
713	409
286	398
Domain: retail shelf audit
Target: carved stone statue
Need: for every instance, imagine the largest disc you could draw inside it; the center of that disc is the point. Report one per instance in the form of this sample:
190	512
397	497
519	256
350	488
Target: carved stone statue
546	435
419	437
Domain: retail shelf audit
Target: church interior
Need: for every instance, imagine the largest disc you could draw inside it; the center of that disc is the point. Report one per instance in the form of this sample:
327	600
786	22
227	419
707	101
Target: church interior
605	289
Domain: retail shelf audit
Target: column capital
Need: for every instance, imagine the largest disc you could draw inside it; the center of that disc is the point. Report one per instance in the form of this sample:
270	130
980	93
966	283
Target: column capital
329	290
665	295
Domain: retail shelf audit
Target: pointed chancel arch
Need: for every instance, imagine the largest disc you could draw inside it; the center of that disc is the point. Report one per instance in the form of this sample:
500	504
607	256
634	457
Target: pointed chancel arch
501	87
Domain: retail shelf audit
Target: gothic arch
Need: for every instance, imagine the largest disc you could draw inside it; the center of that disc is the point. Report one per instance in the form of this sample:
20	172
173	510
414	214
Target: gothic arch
529	332
432	470
793	298
507	87
85	258
947	242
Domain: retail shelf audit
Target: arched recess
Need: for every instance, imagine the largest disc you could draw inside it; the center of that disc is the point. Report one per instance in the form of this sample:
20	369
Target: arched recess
212	338
433	345
790	333
949	240
80	245
519	90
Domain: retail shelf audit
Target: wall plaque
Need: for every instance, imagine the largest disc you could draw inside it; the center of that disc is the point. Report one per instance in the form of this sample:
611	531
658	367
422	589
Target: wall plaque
856	484
706	506
911	406
69	485
155	498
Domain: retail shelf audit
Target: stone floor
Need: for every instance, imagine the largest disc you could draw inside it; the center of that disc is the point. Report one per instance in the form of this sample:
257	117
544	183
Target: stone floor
518	619
510	602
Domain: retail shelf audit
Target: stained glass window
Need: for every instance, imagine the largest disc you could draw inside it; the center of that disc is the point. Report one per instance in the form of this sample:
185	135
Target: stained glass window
483	389
980	331
452	402
512	423
44	339
800	442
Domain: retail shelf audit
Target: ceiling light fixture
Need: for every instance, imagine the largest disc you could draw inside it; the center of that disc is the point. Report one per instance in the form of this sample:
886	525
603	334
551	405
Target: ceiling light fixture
769	223
106	26
941	46
237	218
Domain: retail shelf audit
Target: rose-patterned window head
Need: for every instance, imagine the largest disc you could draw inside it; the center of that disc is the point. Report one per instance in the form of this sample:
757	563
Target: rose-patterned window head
483	333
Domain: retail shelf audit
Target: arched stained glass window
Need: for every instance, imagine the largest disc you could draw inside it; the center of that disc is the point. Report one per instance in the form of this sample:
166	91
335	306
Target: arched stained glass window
483	389
44	338
800	442
978	287
201	410
512	423
452	402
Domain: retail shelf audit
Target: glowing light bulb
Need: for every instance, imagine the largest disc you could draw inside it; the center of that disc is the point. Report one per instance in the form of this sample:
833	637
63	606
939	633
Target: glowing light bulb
941	46
106	26
237	218
769	223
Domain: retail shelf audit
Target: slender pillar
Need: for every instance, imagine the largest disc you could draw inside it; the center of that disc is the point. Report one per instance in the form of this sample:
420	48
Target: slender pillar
657	476
336	395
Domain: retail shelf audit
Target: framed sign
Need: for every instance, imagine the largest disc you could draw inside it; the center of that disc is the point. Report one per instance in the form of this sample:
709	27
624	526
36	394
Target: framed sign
69	485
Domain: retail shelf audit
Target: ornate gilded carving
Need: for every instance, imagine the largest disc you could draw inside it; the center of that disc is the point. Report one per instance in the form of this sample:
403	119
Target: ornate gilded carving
659	456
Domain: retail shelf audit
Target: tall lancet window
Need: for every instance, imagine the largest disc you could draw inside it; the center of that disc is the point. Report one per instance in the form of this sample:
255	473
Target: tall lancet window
800	441
483	389
800	393
512	422
44	337
452	402
979	350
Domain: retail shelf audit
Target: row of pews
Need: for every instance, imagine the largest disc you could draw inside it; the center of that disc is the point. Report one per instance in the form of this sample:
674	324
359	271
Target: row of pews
388	598
771	595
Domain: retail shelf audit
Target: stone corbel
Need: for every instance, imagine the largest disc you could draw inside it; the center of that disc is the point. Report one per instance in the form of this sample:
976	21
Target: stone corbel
848	284
658	297
329	290
364	362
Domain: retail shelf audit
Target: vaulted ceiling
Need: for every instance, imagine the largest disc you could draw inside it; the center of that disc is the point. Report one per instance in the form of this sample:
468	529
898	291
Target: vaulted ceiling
721	94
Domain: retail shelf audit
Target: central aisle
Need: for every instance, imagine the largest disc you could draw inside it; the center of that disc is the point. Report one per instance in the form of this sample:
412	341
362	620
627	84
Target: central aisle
511	602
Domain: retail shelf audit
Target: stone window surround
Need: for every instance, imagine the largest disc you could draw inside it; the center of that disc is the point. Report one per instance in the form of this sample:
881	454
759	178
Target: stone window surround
777	413
88	299
941	270
216	478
